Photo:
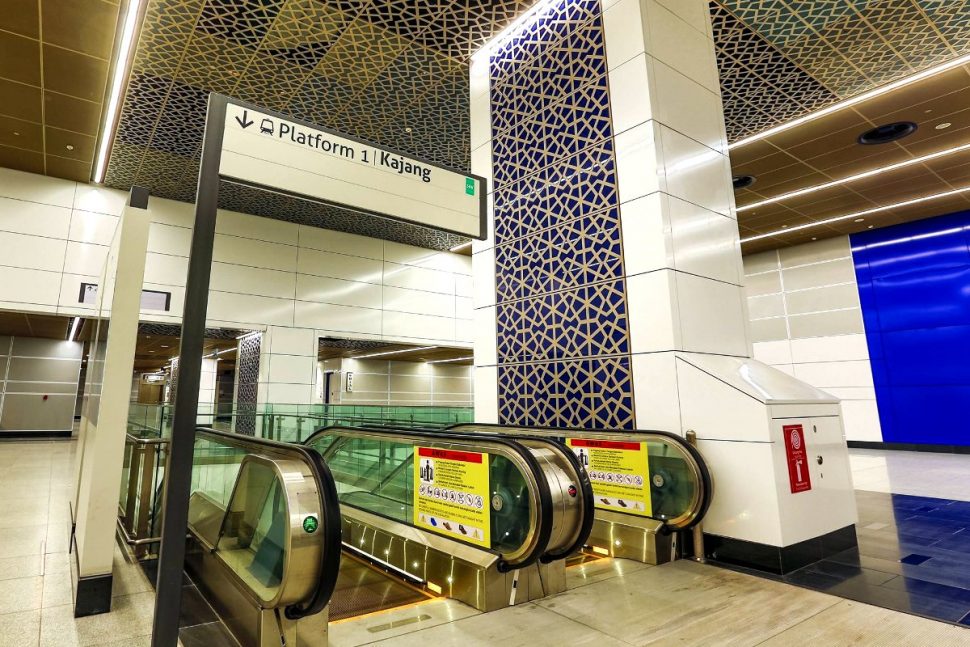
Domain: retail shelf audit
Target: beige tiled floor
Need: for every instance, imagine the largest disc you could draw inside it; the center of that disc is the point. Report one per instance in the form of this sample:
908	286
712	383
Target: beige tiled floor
609	602
35	577
943	476
682	603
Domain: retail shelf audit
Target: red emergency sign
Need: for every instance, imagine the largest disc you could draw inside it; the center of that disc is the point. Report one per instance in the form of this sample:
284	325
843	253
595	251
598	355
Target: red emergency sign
797	455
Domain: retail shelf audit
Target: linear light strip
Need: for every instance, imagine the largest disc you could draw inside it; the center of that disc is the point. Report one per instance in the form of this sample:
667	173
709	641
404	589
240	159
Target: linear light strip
74	326
853	178
513	26
857	214
865	96
114	99
393	352
454	359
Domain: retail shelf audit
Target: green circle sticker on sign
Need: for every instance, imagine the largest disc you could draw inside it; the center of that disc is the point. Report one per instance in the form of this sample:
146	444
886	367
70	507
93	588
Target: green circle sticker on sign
310	524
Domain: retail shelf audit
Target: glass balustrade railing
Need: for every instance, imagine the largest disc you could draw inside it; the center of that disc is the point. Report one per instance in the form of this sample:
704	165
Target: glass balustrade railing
645	473
295	422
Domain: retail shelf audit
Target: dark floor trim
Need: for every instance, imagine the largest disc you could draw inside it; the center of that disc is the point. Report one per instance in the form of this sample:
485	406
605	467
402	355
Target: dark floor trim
910	447
92	593
60	433
776	559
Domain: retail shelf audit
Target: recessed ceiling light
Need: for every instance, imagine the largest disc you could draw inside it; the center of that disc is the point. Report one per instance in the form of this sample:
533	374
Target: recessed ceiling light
870	226
163	346
857	176
943	126
887	133
784	226
847	216
860	219
16	133
69	147
814	238
865	96
743	181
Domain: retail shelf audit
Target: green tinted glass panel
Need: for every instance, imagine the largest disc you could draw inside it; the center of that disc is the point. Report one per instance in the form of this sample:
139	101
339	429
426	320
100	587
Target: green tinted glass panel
672	484
377	476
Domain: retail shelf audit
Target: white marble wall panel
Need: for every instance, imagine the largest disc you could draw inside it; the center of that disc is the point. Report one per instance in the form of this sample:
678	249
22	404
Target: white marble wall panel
55	235
806	320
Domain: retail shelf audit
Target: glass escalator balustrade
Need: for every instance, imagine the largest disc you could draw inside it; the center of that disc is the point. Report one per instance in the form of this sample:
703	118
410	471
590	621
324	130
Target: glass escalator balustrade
377	476
673	479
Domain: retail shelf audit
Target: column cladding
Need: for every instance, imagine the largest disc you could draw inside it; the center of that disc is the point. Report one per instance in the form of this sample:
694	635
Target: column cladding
562	328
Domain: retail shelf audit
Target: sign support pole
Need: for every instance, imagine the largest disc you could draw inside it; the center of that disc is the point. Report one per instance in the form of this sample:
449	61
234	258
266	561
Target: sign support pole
178	468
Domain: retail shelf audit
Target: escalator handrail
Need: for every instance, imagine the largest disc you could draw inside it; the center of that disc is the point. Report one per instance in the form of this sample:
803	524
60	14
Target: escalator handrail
707	483
589	503
543	532
329	518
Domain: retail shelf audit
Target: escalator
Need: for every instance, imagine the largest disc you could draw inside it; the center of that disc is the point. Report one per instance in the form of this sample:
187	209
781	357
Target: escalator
488	521
264	537
648	485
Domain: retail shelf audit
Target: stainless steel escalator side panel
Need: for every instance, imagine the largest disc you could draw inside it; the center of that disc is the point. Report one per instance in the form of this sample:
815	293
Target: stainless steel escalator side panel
447	567
617	534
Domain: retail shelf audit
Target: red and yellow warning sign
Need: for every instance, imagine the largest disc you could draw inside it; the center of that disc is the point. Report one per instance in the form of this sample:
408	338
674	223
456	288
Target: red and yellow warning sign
619	472
451	494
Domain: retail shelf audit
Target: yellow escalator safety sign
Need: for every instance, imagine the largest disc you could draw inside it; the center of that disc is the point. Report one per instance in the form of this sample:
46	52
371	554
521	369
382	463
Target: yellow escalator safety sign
451	494
619	473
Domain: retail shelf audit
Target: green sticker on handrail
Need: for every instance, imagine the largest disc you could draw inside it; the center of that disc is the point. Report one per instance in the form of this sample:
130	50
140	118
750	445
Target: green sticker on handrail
310	524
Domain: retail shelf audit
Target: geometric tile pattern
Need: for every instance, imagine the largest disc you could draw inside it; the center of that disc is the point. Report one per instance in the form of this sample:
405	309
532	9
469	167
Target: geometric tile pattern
247	383
782	58
394	72
562	326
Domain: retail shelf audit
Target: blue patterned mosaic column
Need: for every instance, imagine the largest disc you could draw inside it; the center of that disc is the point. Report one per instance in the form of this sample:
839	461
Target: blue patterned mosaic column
563	344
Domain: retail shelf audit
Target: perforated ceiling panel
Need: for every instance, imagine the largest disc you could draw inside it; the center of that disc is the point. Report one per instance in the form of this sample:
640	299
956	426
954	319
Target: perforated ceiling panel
780	59
393	72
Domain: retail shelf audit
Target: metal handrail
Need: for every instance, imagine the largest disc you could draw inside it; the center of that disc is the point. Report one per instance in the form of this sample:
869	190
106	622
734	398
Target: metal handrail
329	515
540	525
703	494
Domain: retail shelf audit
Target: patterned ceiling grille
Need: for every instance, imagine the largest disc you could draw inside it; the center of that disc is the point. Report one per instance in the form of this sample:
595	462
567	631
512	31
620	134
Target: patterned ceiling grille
394	72
175	330
352	344
780	59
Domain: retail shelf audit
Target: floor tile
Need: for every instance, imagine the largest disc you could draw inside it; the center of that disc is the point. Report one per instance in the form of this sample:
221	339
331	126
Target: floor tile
209	635
688	603
20	629
23	594
397	622
516	626
600	569
130	617
853	623
23	566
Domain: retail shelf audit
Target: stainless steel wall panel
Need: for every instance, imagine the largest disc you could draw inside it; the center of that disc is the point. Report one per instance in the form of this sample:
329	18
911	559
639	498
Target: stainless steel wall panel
69	388
36	369
30	412
50	348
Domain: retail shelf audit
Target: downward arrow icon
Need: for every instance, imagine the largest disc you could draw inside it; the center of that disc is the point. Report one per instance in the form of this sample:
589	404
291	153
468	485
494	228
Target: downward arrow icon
245	122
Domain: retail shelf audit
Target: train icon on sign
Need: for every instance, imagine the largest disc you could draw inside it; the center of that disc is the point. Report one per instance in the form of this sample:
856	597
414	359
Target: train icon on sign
266	126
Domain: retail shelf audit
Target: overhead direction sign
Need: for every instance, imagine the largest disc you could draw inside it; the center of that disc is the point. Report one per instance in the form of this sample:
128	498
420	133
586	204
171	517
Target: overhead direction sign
267	150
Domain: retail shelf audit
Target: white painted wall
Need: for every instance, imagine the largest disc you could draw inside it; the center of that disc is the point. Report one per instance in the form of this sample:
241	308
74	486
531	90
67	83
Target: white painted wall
55	234
806	320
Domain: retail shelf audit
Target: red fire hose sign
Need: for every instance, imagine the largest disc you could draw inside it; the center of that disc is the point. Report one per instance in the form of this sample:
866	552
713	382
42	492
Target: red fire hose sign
797	458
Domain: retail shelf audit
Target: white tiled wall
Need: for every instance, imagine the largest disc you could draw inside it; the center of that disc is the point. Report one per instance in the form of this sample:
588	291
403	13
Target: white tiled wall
806	320
382	382
54	235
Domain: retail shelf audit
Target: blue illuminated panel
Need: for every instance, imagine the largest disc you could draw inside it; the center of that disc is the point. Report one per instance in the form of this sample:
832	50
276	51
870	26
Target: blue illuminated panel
914	284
